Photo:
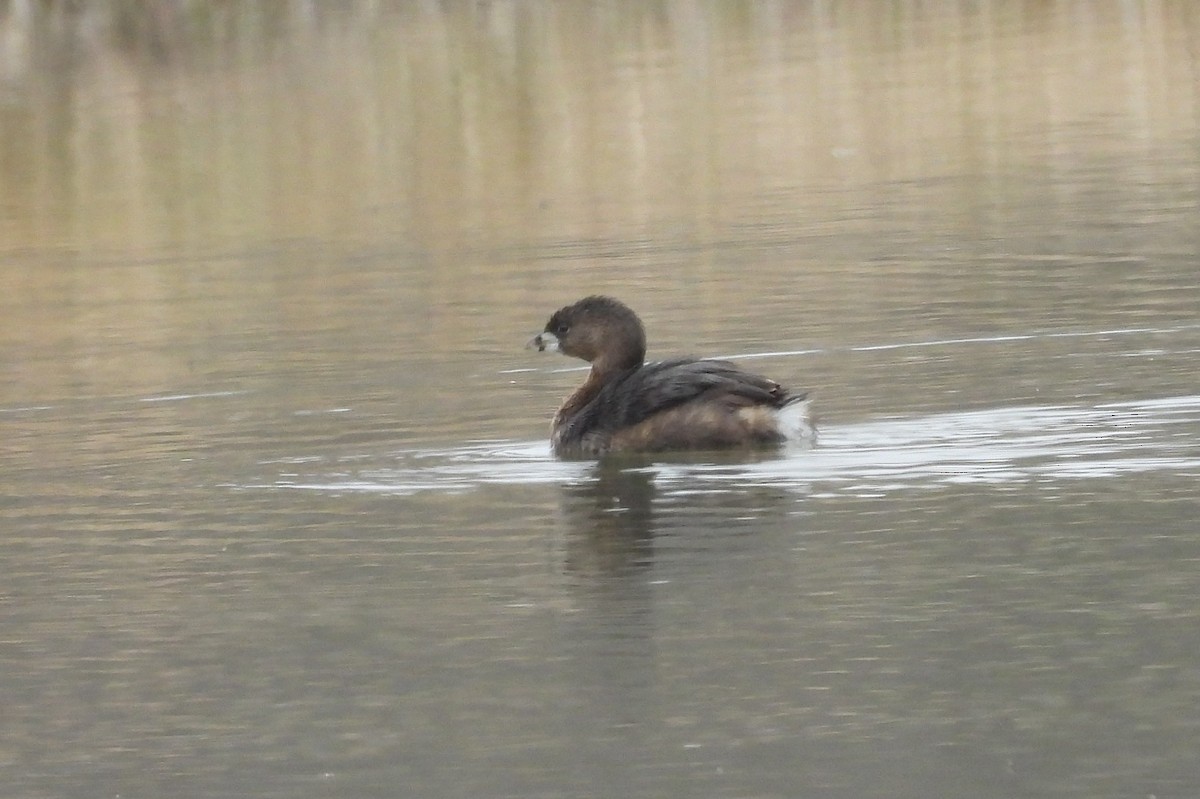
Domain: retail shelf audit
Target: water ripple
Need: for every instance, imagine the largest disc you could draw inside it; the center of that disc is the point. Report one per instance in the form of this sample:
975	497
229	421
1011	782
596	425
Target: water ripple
991	446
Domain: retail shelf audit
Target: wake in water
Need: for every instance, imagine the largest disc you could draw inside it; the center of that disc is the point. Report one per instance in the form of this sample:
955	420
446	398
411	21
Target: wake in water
987	446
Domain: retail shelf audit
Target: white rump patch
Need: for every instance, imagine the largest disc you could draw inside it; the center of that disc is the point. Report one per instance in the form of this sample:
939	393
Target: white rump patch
796	424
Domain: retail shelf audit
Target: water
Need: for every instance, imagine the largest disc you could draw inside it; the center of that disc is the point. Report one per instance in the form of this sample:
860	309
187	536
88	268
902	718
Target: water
277	513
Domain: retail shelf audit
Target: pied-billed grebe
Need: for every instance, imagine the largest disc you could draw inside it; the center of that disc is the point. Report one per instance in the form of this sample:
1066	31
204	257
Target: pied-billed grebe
628	405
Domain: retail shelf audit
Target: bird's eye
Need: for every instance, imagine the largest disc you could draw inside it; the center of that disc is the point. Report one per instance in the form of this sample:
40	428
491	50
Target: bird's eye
560	330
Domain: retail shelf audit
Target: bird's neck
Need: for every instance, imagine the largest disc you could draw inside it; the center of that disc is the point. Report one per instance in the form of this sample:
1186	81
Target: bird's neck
579	398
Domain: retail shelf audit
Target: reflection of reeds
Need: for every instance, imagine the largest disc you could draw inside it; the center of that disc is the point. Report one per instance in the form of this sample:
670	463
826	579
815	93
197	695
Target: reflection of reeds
584	134
152	124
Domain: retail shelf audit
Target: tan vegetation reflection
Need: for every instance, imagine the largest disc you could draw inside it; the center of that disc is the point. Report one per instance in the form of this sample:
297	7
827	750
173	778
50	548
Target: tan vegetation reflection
134	126
497	149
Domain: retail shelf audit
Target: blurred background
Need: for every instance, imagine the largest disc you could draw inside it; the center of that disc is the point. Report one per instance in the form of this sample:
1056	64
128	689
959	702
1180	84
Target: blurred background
746	175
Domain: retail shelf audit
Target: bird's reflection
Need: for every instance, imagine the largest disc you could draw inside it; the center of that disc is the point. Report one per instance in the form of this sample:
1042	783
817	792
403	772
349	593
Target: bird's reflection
611	513
609	519
624	578
609	639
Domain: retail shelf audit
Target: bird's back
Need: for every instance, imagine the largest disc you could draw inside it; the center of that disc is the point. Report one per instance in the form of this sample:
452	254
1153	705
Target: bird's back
684	403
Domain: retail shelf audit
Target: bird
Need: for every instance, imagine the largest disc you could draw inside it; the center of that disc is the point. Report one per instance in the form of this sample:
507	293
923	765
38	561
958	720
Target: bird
628	405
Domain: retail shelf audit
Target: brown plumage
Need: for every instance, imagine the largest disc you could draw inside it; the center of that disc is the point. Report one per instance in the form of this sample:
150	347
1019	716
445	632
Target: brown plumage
628	405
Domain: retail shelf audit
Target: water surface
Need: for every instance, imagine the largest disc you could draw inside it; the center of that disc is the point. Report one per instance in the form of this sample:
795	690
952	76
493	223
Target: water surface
277	511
